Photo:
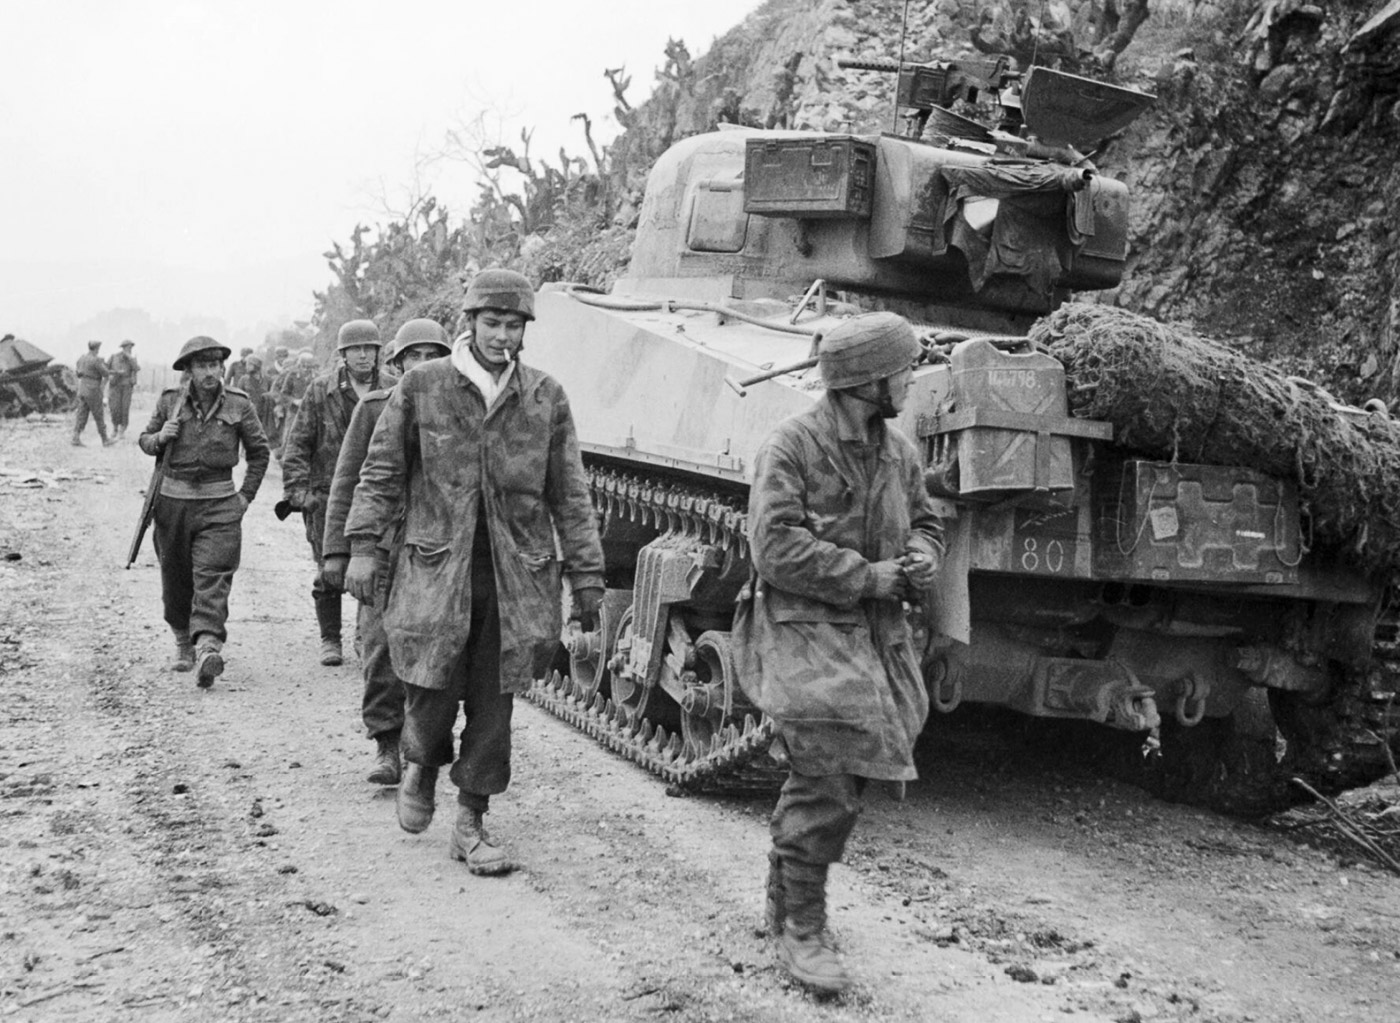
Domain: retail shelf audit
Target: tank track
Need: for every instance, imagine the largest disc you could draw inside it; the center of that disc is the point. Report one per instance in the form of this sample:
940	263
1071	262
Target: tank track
736	759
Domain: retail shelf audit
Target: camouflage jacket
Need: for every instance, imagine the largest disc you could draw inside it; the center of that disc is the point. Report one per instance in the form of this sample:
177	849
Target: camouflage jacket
123	368
347	471
313	443
837	670
207	448
291	385
442	457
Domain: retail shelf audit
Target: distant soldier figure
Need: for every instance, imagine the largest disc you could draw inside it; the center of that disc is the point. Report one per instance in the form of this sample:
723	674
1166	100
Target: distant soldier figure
842	531
124	369
236	369
254	383
382	707
198	429
92	373
478	456
310	453
291	388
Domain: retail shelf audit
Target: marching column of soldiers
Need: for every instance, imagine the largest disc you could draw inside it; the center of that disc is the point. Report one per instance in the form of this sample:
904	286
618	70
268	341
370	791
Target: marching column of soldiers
441	485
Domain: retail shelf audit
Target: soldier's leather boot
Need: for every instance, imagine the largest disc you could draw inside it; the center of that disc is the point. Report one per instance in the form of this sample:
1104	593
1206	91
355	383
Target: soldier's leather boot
328	618
77	443
387	768
416	798
209	660
774	912
472	845
804	947
184	651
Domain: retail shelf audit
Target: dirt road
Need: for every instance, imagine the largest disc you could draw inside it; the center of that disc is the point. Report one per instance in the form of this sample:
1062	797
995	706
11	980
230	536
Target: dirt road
173	854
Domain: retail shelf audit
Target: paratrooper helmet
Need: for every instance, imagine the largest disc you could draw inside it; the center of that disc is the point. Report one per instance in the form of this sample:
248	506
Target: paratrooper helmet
500	289
357	332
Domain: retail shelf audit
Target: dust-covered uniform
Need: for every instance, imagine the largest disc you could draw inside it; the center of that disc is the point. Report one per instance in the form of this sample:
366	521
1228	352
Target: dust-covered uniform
92	374
198	515
308	466
123	367
837	671
382	704
473	604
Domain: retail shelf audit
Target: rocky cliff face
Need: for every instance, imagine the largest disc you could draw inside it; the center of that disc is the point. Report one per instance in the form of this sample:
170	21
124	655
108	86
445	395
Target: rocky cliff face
1266	180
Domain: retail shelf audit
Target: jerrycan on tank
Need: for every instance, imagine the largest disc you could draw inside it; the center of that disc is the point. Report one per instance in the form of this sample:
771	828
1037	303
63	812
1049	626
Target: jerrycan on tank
1007	427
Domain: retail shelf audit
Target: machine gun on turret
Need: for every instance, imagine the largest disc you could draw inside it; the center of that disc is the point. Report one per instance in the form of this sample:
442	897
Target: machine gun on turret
1041	113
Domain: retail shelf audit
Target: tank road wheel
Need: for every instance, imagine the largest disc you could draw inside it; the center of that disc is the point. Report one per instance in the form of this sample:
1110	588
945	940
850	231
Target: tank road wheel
629	692
706	696
590	652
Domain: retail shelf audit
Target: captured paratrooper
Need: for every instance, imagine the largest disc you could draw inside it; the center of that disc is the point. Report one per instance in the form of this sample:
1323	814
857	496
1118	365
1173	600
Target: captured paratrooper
416	342
196	433
477	453
309	456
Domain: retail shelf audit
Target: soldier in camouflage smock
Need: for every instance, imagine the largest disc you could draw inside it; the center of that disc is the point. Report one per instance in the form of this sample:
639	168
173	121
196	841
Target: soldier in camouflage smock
842	531
310	453
479	454
417	341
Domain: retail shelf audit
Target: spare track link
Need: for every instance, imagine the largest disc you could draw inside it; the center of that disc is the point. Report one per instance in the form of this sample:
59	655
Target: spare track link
670	507
735	761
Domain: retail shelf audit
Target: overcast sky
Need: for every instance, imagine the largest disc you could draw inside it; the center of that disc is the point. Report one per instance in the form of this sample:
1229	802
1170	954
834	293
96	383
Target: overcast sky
196	157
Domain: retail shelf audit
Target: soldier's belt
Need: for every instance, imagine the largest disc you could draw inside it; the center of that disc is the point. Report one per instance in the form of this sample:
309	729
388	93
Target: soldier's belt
199	475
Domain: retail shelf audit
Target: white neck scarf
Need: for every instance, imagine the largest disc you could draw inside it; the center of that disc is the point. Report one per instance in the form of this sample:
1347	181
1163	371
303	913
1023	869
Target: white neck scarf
490	387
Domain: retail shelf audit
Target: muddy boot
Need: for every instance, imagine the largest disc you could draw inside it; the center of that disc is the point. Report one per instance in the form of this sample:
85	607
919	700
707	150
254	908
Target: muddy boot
773	909
184	651
472	845
416	797
804	947
386	762
209	660
328	618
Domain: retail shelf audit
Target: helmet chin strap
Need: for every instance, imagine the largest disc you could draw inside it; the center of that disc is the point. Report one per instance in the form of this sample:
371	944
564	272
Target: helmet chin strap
883	402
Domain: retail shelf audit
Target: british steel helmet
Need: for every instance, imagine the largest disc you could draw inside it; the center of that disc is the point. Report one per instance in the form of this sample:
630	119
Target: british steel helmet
866	348
421	331
198	345
357	332
500	289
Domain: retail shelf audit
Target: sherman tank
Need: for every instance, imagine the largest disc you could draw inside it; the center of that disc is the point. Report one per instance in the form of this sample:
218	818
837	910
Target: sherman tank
28	383
1174	603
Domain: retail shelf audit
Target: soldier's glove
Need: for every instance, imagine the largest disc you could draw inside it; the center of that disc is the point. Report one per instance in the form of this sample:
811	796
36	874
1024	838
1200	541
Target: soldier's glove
291	501
585	604
333	571
359	578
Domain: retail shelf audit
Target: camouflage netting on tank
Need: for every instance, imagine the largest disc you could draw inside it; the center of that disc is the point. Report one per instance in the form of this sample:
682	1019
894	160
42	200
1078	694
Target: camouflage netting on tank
1174	395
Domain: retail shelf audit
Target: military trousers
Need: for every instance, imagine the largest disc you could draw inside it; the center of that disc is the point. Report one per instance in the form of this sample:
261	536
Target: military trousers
199	544
326	600
89	404
481	767
119	398
815	816
382	705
